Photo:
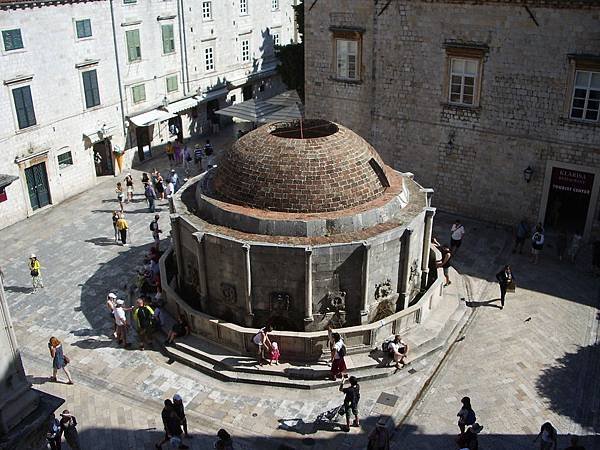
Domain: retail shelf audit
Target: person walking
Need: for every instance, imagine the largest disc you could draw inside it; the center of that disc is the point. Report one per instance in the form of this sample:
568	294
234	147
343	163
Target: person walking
574	246
521	233
187	159
224	441
261	339
175	180
338	353
351	399
129	187
444	263
121	322
111	304
122	226
68	428
142	317
170	151
457	231
172	426
150	195
468	440
53	436
198	157
208	162
35	270
160	186
156	231
537	243
505	279
120	195
547	436
115	218
379	438
59	360
180	411
466	415
177	150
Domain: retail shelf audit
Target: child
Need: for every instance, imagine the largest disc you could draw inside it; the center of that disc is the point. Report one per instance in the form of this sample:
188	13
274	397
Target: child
274	353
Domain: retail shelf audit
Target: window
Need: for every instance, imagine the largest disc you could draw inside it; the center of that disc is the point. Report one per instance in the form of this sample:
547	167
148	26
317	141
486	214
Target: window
168	39
90	88
347	59
276	39
134	50
209	60
274	5
586	95
129	2
463	77
12	39
245	50
65	160
243	6
172	83
138	93
84	28
207	10
24	107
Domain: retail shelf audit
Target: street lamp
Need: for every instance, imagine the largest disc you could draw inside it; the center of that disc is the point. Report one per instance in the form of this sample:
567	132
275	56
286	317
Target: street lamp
527	174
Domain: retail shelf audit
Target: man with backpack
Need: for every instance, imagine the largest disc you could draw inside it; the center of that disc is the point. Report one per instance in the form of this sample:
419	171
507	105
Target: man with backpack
142	316
156	231
351	399
537	243
150	196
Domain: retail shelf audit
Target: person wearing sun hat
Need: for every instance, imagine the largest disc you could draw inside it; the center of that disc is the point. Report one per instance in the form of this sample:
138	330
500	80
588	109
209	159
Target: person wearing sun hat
35	270
68	428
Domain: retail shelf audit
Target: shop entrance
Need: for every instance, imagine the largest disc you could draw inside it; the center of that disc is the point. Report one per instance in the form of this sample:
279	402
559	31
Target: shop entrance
103	158
568	200
175	128
142	136
37	186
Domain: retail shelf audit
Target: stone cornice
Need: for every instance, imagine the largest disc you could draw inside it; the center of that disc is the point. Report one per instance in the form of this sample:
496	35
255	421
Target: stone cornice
23	4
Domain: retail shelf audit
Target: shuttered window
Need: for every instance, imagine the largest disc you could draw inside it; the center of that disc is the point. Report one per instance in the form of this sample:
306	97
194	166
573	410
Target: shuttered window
168	39
134	50
84	28
90	88
12	39
24	107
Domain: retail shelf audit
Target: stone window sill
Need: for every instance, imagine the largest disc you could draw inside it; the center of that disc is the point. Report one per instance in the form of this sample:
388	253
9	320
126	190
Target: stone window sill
578	122
345	80
475	109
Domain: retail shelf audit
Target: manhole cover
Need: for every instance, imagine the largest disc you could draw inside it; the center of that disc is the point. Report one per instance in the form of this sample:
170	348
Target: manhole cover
387	399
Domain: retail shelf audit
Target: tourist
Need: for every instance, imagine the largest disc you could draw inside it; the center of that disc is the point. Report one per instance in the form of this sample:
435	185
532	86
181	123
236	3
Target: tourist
457	231
468	439
111	304
115	218
157	317
338	353
129	187
574	246
142	317
521	232
121	322
466	415
170	151
172	426
169	188
561	244
351	399
119	192
59	360
156	231
179	329
177	151
53	436
150	195
505	280
180	411
68	428
35	270
274	355
398	351
198	157
262	341
379	438
208	162
145	178
548	437
160	186
575	444
175	180
224	441
537	243
122	227
444	263
187	159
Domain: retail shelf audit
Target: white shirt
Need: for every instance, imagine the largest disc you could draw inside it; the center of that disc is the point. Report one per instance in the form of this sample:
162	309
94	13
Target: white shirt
120	317
337	347
396	346
458	231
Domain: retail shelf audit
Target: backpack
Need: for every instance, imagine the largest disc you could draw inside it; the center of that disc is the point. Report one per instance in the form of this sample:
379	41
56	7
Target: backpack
385	345
342	351
470	419
144	317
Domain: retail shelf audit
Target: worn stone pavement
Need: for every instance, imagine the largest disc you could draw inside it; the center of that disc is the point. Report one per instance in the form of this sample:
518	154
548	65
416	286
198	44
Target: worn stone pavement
518	373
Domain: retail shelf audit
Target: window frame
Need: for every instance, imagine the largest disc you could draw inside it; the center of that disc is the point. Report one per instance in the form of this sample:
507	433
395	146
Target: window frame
274	5
212	64
470	53
579	64
243	7
130	2
347	36
133	88
170	77
127	46
63	165
16	108
464	75
85	91
274	33
162	37
12	50
245	38
79	38
209	17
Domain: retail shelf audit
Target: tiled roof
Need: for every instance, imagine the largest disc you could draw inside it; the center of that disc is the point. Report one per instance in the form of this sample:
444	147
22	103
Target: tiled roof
26	3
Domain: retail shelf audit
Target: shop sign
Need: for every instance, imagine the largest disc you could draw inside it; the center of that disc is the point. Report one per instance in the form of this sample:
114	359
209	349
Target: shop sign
566	180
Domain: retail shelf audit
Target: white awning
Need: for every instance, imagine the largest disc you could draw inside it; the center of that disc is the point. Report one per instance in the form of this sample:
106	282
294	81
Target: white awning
151	117
182	105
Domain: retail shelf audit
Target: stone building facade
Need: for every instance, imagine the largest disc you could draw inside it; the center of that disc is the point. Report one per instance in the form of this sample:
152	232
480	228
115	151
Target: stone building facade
492	103
104	88
301	228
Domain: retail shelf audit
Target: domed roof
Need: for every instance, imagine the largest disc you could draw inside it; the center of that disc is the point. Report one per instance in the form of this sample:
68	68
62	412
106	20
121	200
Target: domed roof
323	167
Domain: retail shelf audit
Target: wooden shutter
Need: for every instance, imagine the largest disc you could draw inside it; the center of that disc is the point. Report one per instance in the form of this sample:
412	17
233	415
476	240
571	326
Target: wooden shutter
24	107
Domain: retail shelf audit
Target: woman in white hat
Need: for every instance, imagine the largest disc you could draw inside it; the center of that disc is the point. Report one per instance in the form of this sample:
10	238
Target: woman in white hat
35	270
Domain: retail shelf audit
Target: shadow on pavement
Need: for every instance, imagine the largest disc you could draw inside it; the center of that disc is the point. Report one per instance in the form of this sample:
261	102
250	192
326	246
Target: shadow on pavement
490	303
18	289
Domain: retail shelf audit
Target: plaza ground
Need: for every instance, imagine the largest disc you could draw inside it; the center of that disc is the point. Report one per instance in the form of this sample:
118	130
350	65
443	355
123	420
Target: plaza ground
536	360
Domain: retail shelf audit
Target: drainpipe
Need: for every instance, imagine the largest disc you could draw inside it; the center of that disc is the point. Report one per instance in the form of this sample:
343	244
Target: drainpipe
248	285
114	31
429	213
183	47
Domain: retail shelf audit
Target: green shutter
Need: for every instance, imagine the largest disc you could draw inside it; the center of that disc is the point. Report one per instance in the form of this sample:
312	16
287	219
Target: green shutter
12	39
134	51
172	84
24	107
168	39
84	28
90	87
138	93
